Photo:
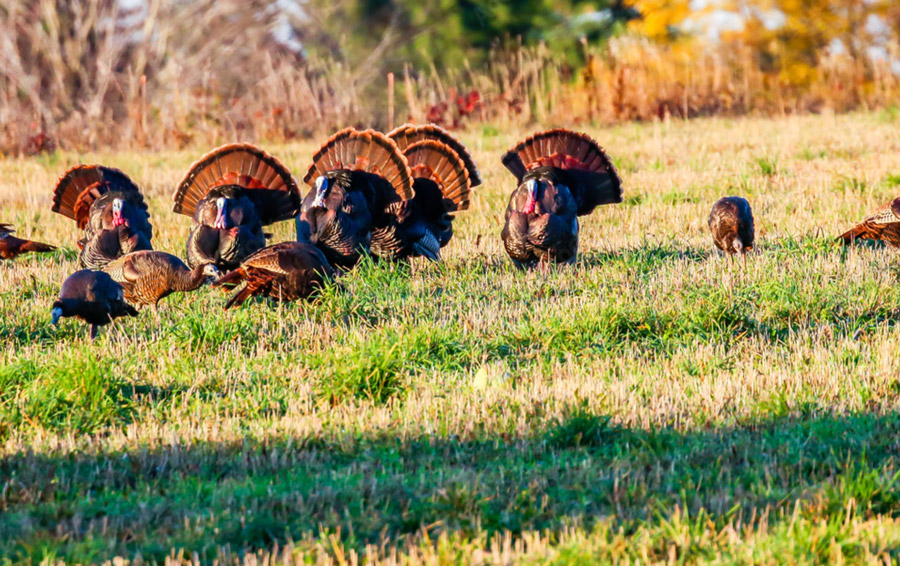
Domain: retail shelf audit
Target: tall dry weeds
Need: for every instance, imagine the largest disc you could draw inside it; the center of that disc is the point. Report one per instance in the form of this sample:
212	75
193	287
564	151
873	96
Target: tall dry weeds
89	74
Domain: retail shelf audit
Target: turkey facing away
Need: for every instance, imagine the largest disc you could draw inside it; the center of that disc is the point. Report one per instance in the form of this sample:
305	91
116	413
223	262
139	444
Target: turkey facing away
231	193
12	247
287	271
93	297
731	224
148	276
355	177
561	175
443	175
109	207
883	224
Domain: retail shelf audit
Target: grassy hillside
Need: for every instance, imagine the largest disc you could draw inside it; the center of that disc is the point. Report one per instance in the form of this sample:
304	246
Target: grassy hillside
653	403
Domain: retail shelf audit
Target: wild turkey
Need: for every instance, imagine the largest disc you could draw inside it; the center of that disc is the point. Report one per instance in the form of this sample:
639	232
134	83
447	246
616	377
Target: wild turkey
883	224
356	176
731	224
93	297
12	247
443	175
287	271
148	276
109	207
561	175
231	193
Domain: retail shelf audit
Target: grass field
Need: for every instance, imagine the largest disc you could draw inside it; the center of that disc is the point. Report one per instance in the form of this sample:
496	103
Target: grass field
654	403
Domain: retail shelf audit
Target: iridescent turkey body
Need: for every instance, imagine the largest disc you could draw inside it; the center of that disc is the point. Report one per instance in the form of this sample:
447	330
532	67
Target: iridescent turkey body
93	297
541	220
357	178
561	175
241	235
340	224
231	193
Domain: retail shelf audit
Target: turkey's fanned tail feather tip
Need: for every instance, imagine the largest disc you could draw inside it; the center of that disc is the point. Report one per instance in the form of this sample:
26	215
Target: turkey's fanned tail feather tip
409	134
559	148
267	181
437	161
81	185
368	151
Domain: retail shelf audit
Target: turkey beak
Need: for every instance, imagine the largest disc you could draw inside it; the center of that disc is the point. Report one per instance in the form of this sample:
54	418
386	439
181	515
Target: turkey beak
221	220
55	315
531	201
117	212
321	191
738	246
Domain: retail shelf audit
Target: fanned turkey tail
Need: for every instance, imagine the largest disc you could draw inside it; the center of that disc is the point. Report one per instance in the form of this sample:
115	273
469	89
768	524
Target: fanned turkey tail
579	155
265	180
81	185
368	151
409	134
439	163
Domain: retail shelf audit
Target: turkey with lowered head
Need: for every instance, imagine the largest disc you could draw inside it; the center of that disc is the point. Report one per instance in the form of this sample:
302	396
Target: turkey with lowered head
287	271
12	247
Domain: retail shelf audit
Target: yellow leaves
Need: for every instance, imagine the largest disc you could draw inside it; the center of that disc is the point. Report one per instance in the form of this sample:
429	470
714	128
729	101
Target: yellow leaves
798	73
659	17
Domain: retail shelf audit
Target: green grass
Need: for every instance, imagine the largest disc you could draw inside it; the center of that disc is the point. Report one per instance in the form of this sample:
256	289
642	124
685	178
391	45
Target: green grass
653	403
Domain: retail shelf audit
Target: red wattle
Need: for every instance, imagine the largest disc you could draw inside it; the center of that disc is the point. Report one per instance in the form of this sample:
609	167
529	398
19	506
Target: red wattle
529	206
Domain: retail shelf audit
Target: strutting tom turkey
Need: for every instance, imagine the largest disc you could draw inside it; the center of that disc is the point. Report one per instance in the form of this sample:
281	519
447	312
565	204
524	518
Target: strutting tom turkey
561	175
231	193
12	247
443	175
109	207
287	271
356	177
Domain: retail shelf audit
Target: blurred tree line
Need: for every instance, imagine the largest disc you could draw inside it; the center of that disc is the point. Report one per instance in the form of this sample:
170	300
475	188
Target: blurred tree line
161	72
451	33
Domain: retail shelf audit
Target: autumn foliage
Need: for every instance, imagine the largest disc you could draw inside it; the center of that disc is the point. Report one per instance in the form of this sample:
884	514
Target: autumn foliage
214	71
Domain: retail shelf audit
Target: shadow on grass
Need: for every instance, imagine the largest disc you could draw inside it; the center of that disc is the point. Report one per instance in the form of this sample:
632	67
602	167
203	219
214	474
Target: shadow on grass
644	257
254	493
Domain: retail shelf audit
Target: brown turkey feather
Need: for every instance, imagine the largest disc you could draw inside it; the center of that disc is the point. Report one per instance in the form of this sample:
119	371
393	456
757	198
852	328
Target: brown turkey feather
440	163
880	225
409	134
81	185
241	164
559	148
368	151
